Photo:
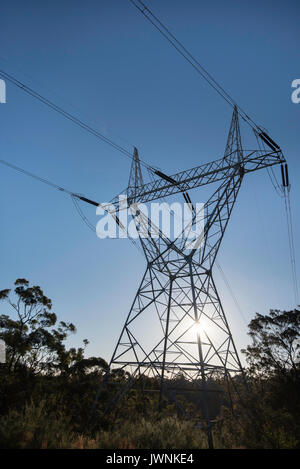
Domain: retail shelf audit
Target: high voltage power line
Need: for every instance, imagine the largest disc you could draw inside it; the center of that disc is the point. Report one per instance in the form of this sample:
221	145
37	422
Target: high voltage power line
183	51
69	116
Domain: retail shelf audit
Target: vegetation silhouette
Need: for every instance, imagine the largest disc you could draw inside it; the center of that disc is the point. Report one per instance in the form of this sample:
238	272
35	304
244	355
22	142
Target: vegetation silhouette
47	391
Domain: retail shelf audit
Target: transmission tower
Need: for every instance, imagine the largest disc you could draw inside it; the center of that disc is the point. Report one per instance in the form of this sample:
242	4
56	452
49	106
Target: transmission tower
176	326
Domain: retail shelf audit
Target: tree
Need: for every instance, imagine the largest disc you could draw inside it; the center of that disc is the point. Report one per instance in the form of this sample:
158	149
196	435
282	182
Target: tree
276	346
31	339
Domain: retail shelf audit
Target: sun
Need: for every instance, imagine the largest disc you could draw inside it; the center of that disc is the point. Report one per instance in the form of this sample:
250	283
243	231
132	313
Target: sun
201	328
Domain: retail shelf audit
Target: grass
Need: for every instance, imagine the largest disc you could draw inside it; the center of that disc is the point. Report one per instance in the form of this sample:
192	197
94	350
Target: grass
37	427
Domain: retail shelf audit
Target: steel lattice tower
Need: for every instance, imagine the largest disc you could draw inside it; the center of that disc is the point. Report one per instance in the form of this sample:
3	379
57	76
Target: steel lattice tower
176	325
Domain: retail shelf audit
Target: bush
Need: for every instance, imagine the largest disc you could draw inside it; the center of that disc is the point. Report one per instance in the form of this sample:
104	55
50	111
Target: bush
168	433
34	427
38	427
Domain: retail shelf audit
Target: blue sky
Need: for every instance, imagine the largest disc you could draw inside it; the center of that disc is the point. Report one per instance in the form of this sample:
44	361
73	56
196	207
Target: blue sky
102	61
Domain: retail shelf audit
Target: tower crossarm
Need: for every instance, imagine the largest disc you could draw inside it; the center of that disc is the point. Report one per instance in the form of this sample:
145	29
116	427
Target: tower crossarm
202	175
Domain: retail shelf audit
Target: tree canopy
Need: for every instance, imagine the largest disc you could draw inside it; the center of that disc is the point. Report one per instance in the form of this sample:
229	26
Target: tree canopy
275	347
34	338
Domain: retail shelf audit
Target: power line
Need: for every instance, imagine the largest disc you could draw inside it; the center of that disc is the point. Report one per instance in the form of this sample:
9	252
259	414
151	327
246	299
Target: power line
81	113
82	215
181	49
291	241
38	178
69	116
74	196
226	281
284	192
94	229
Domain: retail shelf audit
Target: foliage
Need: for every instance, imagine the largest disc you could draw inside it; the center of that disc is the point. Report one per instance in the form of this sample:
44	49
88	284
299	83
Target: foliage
47	391
276	346
37	426
34	427
32	341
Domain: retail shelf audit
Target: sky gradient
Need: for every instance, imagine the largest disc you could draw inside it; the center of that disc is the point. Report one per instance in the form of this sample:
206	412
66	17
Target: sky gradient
102	61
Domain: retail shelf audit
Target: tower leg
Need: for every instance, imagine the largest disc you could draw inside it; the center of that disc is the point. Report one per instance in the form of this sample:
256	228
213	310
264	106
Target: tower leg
177	324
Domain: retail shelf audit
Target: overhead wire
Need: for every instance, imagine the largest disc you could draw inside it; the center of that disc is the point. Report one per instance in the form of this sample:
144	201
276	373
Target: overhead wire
182	50
70	117
93	227
82	215
80	112
288	211
74	196
284	192
38	178
226	281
